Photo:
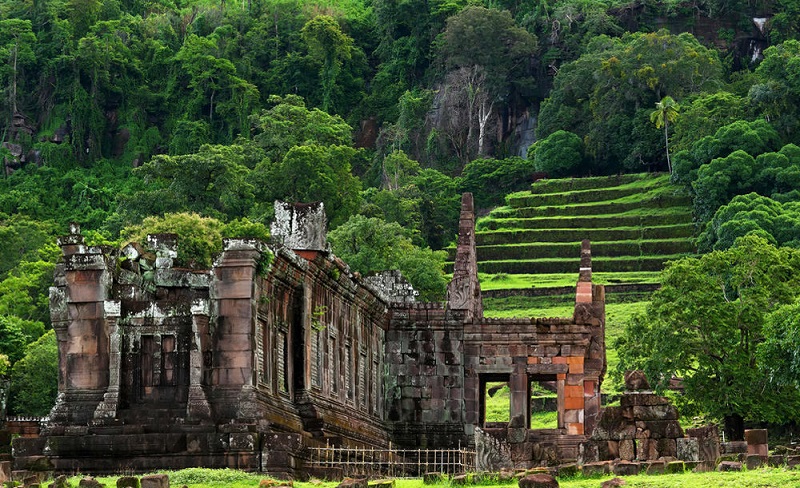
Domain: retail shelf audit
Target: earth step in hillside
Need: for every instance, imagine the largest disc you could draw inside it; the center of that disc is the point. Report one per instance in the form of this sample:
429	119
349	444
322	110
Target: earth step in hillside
518	236
636	224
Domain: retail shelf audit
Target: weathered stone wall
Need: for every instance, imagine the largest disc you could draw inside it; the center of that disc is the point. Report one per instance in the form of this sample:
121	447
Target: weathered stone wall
644	427
440	358
277	349
166	367
425	376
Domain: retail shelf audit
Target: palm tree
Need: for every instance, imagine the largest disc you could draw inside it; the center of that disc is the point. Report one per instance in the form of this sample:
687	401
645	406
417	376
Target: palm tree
666	111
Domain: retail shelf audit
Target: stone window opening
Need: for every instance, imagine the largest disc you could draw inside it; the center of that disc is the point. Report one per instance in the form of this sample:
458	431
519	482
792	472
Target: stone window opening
542	402
495	400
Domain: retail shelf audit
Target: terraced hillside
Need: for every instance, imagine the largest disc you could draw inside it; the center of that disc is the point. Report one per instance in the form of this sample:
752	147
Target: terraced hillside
635	223
529	250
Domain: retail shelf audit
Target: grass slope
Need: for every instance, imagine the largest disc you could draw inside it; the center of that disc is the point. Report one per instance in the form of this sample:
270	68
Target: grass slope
636	224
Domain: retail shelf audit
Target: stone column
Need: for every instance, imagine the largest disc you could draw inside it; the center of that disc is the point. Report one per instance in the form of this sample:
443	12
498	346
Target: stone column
197	406
108	407
235	292
464	290
82	329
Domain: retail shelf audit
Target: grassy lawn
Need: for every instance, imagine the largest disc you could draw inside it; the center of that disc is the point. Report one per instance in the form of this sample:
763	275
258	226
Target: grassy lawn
504	281
761	478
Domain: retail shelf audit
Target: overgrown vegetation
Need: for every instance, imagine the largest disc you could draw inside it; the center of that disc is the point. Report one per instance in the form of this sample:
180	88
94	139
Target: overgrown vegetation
115	113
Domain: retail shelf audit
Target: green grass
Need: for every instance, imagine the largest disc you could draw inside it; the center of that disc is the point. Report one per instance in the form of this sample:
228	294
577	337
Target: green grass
596	221
544	420
571	184
759	478
498	409
498	406
519	234
618	264
660	204
516	281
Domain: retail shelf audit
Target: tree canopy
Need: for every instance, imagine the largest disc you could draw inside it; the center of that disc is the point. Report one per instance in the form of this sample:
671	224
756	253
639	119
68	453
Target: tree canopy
705	325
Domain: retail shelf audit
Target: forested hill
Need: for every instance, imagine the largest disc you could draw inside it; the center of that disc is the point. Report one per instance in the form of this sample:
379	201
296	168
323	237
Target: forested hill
193	116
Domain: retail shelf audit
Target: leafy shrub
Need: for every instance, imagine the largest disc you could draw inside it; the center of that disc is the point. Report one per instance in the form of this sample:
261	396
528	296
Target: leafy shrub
34	378
560	155
490	180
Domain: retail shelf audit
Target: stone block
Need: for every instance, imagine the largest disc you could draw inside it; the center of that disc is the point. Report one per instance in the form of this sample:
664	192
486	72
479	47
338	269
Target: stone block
60	481
433	478
596	469
539	480
128	482
633	399
517	435
655	412
353	483
754	461
729	466
627	450
667	448
575	429
688	449
733	447
755	436
568	470
37	464
460	480
674	467
776	460
89	482
626	468
387	483
792	462
589	452
155	481
613	483
695	466
656	467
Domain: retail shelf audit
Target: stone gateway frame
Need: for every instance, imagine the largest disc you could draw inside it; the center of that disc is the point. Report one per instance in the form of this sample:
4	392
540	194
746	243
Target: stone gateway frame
280	348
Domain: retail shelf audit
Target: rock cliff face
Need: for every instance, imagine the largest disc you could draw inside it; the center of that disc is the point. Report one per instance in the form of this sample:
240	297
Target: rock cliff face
276	350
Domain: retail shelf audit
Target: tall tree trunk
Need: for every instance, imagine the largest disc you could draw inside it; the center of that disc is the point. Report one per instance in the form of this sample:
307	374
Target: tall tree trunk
484	113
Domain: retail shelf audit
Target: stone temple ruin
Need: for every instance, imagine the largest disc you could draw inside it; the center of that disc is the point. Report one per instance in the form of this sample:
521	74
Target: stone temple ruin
280	348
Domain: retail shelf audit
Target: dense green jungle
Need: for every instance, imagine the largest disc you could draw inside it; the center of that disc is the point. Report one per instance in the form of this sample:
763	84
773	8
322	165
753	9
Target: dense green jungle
194	116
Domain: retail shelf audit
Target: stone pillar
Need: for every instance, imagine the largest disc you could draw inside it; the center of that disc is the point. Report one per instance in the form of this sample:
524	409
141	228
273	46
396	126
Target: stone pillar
107	409
464	290
82	330
590	310
756	442
520	411
235	292
197	406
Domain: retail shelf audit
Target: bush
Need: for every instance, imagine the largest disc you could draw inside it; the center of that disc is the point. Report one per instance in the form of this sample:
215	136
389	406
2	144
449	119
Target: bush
490	180
559	155
34	378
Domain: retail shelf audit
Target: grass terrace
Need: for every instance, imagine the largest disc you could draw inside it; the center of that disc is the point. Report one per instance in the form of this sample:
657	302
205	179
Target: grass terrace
529	249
